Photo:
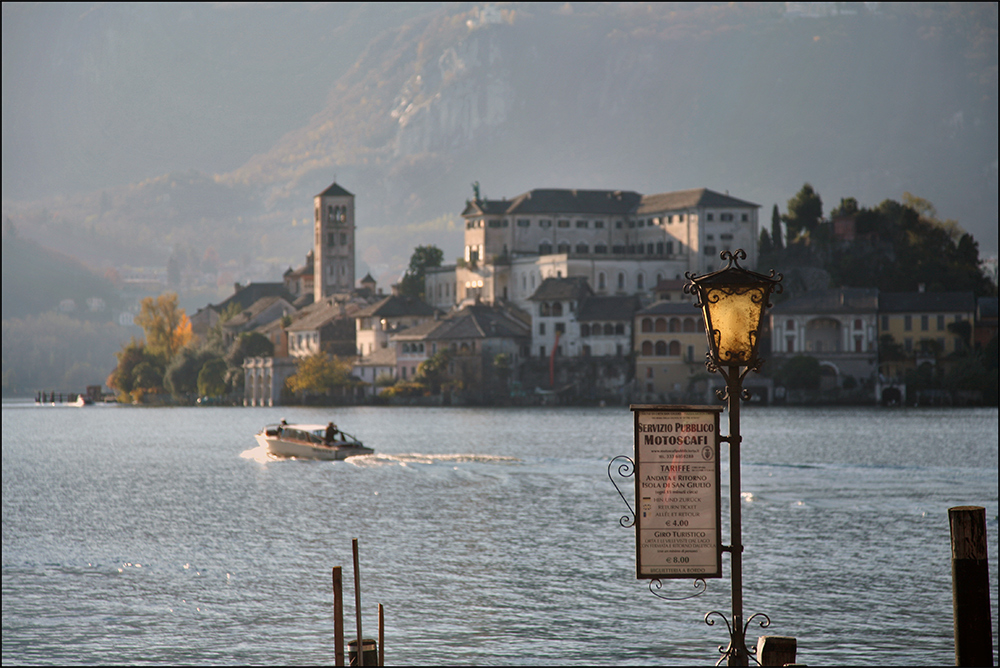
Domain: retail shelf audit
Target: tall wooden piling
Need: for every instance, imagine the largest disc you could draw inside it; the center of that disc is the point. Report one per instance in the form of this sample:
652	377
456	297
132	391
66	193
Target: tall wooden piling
357	603
776	650
338	616
970	583
381	635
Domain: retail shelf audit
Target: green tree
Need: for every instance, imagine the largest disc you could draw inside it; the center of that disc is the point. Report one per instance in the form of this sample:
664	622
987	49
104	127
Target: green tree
212	378
765	246
138	372
165	324
801	372
433	371
423	258
805	210
776	235
181	376
318	374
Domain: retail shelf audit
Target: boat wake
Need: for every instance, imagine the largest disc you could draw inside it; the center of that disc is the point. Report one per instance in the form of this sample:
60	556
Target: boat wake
261	455
410	458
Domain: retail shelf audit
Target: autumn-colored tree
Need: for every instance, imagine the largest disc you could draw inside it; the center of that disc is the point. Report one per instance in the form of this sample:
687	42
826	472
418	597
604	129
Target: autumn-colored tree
167	327
319	373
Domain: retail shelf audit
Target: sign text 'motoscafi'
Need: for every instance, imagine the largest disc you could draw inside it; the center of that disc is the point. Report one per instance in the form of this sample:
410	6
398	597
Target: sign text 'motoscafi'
677	433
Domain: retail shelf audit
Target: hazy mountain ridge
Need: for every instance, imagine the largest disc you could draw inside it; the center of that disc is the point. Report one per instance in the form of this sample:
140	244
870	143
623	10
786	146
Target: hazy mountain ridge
648	98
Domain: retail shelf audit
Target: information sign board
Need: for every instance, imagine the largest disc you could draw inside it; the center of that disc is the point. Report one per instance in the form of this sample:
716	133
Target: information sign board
677	494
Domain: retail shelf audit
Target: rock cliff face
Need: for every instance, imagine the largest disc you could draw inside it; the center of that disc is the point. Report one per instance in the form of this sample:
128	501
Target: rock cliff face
449	103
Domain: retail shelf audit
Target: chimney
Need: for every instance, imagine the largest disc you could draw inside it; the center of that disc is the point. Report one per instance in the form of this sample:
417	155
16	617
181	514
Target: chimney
236	287
395	289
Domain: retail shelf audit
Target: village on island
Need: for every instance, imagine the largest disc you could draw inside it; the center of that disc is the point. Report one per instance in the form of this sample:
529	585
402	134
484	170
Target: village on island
564	296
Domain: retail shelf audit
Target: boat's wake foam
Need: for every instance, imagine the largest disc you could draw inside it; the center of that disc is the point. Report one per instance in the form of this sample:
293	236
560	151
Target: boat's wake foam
406	459
260	454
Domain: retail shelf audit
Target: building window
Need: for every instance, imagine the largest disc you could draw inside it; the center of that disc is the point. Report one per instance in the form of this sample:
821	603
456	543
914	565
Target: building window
541	329
523	222
560	328
908	344
661	348
545	223
647	348
563	247
726	217
709	250
640	282
709	237
545	249
330	239
745	218
343	238
582	249
924	323
710	217
885	322
908	324
790	344
940	323
600	249
858	325
582	224
584	330
621	281
563	223
599	224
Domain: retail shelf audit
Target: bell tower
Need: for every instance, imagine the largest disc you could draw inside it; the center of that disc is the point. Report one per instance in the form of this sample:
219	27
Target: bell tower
334	243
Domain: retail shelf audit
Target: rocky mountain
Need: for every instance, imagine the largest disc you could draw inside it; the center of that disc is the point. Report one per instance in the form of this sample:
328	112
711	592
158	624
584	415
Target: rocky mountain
407	105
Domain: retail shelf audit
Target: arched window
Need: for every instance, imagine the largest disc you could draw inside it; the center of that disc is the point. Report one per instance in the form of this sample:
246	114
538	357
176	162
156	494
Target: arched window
621	281
545	248
330	216
602	283
584	330
661	348
556	309
661	325
563	247
544	309
609	329
647	348
647	324
790	325
582	249
640	282
675	324
688	324
620	329
675	349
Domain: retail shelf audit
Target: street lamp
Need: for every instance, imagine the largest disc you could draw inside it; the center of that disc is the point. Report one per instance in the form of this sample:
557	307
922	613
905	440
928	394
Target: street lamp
733	300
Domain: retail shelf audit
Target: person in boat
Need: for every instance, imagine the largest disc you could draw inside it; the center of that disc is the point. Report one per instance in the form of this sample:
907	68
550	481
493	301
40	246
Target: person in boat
331	433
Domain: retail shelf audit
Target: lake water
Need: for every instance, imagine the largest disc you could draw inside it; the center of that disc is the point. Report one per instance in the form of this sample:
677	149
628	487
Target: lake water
491	536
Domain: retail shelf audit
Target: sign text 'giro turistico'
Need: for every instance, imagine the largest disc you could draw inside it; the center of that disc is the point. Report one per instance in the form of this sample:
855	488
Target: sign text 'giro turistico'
678	521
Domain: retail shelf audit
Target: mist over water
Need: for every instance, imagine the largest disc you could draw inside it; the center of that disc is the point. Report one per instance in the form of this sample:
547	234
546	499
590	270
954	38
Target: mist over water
491	536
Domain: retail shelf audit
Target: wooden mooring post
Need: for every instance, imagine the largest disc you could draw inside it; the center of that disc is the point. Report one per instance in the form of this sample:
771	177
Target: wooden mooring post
970	584
776	650
338	616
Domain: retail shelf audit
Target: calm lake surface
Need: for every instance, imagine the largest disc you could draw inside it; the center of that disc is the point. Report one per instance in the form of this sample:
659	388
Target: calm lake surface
491	536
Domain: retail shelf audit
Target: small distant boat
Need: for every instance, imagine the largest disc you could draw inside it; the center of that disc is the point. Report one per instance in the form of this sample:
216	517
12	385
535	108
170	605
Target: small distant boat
310	441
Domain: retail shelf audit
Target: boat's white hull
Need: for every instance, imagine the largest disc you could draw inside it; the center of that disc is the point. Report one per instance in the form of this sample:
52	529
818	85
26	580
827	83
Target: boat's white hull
281	448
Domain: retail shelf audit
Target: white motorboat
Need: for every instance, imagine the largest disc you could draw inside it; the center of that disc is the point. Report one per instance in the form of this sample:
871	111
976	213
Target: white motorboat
310	441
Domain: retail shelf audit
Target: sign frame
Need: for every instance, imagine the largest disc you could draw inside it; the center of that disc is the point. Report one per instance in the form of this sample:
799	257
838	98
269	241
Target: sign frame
669	416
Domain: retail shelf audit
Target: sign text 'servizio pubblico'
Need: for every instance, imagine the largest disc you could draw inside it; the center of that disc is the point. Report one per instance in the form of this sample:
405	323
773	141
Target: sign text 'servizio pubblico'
677	492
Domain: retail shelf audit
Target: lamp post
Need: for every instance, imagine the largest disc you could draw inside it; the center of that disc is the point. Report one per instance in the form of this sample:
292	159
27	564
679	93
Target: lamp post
733	300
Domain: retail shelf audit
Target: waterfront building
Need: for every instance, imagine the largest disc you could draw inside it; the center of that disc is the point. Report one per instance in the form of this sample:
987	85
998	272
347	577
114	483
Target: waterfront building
923	328
670	349
838	327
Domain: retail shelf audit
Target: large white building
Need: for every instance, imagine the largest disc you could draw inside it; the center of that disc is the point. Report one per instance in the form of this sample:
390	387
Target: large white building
622	242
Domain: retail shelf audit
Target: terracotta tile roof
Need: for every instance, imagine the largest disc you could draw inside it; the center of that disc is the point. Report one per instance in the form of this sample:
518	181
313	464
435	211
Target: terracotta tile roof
689	199
608	308
395	306
335	190
575	288
916	302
